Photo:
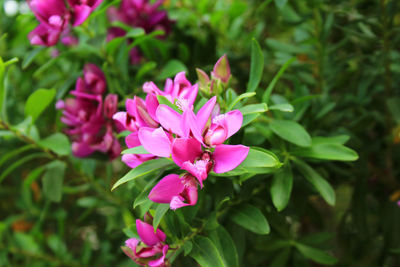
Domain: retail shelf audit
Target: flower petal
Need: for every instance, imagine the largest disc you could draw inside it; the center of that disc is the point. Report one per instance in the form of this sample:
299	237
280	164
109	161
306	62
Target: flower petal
152	105
204	113
159	261
169	119
168	187
185	149
146	233
228	157
132	140
232	121
155	141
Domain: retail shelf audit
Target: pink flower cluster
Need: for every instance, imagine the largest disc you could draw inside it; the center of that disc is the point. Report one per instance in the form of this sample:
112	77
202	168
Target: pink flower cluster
141	14
55	18
194	141
89	117
150	249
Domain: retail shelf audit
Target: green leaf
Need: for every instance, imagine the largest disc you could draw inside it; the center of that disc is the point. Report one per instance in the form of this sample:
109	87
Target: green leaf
250	218
281	187
160	212
339	139
163	100
4	158
316	255
2	86
285	107
280	3
256	66
143	169
187	247
291	131
276	78
135	150
31	56
171	68
225	245
205	253
254	108
327	152
58	143
249	118
18	163
281	259
53	180
320	184
38	102
239	98
33	175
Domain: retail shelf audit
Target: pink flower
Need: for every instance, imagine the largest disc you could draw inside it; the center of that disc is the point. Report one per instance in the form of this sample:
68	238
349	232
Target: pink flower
89	119
150	249
55	16
175	190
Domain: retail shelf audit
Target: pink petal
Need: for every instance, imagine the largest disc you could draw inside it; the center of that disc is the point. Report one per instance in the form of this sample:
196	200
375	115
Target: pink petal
185	149
155	141
168	187
169	119
198	169
160	261
204	113
134	160
232	121
152	105
81	13
132	140
81	150
146	233
228	157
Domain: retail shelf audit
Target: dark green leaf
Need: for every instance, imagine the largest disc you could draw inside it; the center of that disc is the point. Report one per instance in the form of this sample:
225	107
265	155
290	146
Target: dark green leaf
159	214
256	66
327	151
251	218
320	184
291	131
225	245
53	180
205	253
316	255
281	187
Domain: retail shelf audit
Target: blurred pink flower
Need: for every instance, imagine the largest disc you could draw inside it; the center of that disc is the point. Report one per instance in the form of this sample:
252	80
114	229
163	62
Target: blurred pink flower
150	249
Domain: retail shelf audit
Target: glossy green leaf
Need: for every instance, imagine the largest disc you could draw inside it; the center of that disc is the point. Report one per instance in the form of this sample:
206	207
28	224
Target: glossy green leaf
316	255
135	150
291	131
159	214
225	245
281	187
250	218
339	139
38	101
58	143
143	169
285	107
320	184
163	100
171	68
326	151
239	98
53	180
254	108
256	66
205	253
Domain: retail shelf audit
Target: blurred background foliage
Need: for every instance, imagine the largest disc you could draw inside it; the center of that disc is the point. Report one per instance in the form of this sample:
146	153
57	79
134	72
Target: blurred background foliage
345	80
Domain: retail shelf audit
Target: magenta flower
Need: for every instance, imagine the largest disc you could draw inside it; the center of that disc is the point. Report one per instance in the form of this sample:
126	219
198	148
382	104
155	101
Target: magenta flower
89	119
55	16
141	14
175	190
150	249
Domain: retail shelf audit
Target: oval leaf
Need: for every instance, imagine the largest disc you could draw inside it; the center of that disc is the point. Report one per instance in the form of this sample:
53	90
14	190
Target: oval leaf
316	255
250	218
327	151
256	66
57	143
281	187
38	102
205	253
291	131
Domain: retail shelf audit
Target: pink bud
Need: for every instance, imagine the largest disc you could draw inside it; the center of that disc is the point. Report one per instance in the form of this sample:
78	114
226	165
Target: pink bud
110	105
221	70
216	135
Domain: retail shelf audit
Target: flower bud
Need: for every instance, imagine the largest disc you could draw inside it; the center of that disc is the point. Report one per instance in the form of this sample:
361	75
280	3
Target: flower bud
216	135
221	70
